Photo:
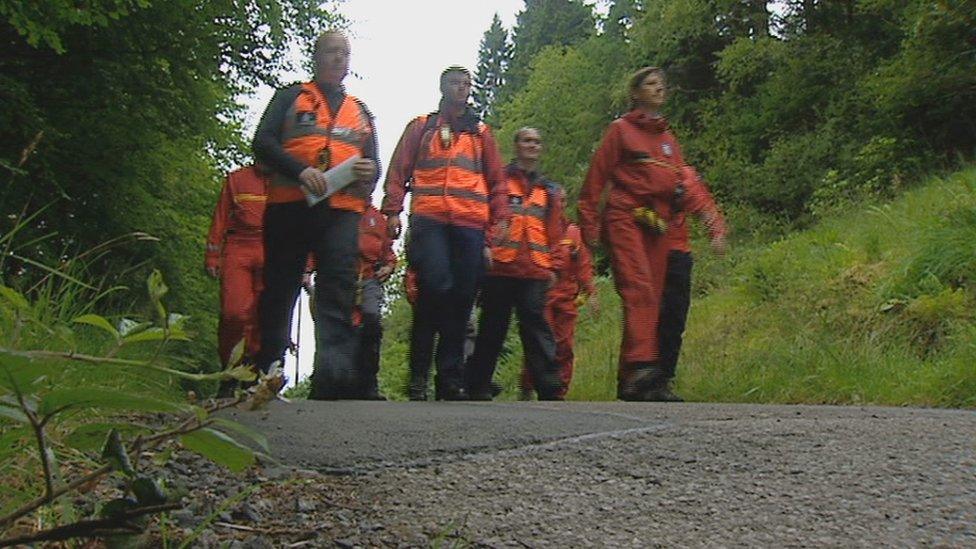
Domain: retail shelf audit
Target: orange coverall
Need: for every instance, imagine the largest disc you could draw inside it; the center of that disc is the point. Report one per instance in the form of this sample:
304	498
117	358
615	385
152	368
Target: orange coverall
235	247
573	266
640	157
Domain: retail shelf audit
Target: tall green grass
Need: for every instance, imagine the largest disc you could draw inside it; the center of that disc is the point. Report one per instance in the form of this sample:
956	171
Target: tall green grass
874	304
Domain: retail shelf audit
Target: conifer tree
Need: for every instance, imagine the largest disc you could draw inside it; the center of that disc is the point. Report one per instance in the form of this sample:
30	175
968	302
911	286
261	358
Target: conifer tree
494	55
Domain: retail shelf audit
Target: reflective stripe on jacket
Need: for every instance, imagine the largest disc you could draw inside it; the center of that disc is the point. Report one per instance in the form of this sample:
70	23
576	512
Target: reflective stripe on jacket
310	129
527	229
450	181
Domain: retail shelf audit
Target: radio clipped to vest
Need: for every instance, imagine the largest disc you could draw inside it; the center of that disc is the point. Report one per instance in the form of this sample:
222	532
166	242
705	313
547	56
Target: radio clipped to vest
446	136
324	159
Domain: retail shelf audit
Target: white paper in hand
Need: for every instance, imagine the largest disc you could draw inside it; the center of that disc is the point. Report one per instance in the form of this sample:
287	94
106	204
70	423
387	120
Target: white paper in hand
336	178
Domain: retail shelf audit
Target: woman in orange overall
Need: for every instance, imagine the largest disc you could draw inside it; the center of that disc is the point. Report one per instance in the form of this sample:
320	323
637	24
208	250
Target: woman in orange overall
640	158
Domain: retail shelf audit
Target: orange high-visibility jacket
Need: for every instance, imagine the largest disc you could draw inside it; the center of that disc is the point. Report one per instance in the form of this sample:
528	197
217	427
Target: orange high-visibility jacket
528	228
309	128
450	181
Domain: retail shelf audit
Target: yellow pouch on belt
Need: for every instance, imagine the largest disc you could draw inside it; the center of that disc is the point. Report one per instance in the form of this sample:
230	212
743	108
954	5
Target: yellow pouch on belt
650	219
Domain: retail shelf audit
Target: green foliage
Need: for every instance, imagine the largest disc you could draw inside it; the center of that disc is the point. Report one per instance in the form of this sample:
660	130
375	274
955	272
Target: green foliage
570	112
793	113
116	117
72	406
540	24
874	305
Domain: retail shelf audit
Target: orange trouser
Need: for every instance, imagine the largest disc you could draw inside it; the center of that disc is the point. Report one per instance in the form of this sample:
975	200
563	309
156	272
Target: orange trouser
639	262
561	314
241	282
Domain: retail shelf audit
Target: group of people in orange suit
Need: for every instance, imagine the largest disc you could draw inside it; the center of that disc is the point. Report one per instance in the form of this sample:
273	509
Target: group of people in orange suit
477	230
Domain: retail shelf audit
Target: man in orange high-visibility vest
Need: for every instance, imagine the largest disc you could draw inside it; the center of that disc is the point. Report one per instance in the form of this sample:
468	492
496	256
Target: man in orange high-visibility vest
305	130
521	273
449	162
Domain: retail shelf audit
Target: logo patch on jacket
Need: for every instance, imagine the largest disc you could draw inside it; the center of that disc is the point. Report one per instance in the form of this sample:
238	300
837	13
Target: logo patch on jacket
306	118
667	149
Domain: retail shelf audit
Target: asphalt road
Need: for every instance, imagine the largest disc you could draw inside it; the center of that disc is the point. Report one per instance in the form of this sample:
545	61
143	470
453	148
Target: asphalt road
639	475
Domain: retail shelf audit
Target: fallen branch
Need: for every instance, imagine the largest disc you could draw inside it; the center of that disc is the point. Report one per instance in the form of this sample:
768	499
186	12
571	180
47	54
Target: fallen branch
92	528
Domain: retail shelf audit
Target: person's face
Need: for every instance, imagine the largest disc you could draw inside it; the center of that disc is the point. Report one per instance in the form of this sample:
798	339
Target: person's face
456	87
332	59
528	146
652	92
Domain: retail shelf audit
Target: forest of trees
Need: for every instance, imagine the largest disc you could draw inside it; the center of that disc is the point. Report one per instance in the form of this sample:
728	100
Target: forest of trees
788	107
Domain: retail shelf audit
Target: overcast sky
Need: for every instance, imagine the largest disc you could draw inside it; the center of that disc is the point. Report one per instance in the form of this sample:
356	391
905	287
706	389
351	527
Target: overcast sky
399	49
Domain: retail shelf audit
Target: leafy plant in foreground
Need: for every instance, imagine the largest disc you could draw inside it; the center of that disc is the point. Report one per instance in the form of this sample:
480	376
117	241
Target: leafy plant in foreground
81	420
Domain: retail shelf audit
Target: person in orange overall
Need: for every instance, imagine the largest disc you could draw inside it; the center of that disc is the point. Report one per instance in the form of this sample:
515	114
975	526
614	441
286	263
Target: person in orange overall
520	275
573	287
693	198
235	255
376	263
641	159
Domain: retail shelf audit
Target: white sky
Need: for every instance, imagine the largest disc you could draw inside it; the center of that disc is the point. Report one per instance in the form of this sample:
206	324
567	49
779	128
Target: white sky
399	49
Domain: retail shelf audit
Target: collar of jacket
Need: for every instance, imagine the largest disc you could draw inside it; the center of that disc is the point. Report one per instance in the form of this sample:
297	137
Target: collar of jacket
532	177
333	93
653	124
467	122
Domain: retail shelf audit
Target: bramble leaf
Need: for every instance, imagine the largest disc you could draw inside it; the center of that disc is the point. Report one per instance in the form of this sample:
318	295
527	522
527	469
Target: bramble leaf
97	321
219	448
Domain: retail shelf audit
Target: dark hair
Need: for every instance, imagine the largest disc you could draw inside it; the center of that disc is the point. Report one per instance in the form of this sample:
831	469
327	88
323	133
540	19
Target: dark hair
524	129
454	69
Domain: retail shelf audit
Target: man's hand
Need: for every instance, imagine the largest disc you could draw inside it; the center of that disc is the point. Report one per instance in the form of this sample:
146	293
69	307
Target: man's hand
487	256
384	272
393	226
214	271
365	170
313	180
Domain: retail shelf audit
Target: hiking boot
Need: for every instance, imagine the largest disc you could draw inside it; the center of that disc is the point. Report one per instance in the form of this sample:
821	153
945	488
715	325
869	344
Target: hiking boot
372	392
417	389
640	382
483	394
452	392
662	393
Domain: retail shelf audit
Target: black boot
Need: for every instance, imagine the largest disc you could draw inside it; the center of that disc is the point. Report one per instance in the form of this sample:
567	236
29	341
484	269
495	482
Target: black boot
417	388
372	391
640	382
661	392
549	386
